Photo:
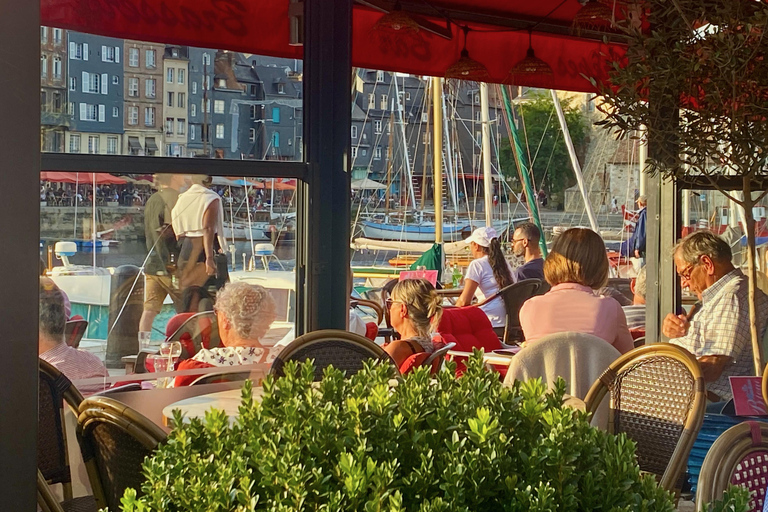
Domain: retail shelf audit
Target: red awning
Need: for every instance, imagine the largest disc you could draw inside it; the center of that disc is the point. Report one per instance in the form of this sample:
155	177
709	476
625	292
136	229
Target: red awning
81	177
262	27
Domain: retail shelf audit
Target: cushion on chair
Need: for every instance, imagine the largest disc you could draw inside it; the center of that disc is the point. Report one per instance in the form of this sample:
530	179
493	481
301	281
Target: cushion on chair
371	330
468	327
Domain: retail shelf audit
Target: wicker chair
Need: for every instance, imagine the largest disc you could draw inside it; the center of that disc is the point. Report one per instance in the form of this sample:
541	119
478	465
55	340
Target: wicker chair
657	397
45	498
54	389
739	457
765	376
114	440
514	296
343	350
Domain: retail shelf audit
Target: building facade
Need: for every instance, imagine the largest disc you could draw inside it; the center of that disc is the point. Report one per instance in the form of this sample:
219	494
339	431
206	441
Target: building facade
144	80
176	100
95	95
54	114
200	100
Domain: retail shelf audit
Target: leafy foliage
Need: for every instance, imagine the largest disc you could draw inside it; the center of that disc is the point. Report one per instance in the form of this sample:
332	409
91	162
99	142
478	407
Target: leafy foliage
551	164
425	445
708	59
735	499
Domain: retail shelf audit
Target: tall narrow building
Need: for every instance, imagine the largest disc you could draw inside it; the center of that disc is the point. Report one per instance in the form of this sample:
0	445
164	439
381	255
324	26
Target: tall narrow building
176	100
95	94
143	98
54	116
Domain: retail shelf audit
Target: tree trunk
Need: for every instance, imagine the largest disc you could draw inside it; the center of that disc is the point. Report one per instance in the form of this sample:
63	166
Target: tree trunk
752	273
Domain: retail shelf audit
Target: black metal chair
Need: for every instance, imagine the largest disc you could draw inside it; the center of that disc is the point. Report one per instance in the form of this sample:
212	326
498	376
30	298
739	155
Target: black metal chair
343	350
437	358
114	440
513	296
54	388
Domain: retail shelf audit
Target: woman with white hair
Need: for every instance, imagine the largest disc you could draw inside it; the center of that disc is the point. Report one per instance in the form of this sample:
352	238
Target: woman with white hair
244	313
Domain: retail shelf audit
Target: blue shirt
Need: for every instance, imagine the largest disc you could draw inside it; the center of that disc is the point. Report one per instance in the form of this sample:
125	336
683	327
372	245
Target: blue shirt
534	269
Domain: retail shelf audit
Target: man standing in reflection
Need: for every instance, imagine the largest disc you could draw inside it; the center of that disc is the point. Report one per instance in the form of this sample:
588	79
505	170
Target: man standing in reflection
198	221
161	247
75	364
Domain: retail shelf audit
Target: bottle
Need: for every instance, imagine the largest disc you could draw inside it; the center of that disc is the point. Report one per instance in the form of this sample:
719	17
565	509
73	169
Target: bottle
456	276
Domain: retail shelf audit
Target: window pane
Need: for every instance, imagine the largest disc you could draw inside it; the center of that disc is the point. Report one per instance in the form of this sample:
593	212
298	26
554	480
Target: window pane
216	92
154	222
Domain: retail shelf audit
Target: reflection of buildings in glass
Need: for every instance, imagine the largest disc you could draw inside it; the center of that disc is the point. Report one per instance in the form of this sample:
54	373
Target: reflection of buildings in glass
248	106
93	78
175	101
142	65
54	118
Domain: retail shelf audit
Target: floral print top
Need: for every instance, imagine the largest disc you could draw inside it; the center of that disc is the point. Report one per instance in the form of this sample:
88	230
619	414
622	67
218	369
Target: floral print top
231	356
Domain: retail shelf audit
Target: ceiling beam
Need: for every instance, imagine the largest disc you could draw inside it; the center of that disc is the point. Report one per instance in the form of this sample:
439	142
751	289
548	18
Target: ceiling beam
492	19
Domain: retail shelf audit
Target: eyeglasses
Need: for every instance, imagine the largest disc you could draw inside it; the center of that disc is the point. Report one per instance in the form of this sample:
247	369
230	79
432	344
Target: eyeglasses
515	240
687	271
391	301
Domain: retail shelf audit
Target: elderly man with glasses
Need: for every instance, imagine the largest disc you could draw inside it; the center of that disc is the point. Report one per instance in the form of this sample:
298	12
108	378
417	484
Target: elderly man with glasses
719	334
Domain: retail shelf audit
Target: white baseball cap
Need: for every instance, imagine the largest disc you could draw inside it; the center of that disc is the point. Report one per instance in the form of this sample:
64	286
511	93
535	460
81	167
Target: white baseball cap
482	236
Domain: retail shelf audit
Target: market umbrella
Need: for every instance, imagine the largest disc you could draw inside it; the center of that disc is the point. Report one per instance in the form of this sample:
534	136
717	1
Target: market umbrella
81	177
281	185
368	184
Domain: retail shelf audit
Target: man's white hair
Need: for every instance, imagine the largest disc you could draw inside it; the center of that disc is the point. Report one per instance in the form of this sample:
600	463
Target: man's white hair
249	307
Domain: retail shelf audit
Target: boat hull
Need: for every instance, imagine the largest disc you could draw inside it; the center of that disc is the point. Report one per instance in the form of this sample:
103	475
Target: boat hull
411	232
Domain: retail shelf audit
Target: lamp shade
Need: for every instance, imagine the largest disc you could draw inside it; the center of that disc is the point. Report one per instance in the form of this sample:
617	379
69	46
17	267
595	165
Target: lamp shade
396	22
532	72
467	68
593	15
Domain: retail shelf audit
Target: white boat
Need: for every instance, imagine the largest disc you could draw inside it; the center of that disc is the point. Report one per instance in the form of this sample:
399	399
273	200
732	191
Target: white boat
421	232
238	230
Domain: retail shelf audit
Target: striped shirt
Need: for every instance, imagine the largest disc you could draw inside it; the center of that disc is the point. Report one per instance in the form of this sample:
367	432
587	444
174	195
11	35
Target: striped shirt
76	365
721	328
635	316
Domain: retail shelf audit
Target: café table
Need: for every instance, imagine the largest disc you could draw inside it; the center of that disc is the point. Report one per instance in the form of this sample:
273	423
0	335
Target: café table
196	406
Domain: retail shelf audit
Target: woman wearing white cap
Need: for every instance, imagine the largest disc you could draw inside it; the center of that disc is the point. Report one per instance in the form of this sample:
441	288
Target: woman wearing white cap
487	273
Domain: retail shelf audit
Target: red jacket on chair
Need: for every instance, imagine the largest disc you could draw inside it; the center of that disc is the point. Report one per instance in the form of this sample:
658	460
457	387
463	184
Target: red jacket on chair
469	328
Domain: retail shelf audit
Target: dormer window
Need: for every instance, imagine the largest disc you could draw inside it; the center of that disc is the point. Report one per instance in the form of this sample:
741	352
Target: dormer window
222	83
280	88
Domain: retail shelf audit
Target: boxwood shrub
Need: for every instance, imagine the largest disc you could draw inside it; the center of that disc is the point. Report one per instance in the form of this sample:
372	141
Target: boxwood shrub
425	445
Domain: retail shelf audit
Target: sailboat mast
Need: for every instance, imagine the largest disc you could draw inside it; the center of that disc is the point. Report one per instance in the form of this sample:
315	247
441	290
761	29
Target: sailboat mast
574	162
426	147
437	157
486	133
389	161
407	158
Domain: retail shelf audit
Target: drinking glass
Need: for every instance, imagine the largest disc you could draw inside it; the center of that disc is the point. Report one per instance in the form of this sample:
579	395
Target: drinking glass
144	337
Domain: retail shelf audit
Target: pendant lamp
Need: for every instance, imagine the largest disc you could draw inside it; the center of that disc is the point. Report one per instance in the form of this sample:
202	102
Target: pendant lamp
532	71
467	68
593	15
396	22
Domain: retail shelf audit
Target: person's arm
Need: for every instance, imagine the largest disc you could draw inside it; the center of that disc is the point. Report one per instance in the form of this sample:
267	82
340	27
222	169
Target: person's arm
623	342
210	220
470	287
712	366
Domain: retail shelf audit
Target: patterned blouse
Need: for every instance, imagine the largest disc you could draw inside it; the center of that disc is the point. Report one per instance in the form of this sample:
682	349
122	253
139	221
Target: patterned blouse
231	356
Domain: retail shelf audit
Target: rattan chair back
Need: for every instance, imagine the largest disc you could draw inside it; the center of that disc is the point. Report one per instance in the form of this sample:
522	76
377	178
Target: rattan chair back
366	303
54	388
765	378
657	397
739	457
114	440
343	350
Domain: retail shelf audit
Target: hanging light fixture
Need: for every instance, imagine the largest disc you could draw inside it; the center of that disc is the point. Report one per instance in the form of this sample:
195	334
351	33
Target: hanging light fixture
396	22
532	71
594	15
467	68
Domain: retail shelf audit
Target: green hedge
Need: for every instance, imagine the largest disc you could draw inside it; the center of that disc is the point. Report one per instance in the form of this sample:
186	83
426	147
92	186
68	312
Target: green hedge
425	445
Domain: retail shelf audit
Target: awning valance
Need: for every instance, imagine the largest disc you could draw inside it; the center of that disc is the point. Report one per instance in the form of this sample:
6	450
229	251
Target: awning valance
149	142
133	143
240	26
